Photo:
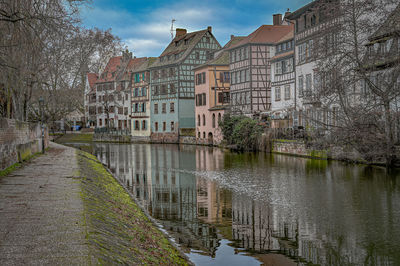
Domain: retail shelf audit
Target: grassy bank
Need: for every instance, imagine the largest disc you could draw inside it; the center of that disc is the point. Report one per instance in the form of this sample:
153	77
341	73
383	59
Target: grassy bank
79	137
118	231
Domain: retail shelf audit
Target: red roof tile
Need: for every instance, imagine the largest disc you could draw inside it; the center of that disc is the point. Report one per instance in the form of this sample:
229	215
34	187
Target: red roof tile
109	74
92	78
268	34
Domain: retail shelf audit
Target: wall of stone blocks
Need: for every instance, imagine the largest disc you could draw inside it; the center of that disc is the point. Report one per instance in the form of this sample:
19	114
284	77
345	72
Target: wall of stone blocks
19	140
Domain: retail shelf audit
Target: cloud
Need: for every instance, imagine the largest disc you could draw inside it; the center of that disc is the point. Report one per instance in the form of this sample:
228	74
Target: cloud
145	47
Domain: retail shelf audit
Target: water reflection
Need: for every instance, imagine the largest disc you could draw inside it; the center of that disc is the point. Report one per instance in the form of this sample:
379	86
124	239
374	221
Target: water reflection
220	206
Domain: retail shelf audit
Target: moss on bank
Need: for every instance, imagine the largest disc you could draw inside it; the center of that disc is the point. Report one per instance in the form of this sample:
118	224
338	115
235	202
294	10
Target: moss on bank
78	137
118	230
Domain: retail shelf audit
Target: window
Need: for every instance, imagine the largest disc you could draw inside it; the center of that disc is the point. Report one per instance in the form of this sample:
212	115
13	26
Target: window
144	125
197	55
164	126
308	85
156	126
220	97
99	110
198	134
136	124
278	68
226	77
172	108
284	66
100	122
164	108
207	39
144	92
201	78
209	55
172	88
219	118
204	120
125	110
204	98
155	90
198	120
290	65
277	94
156	108
163	89
172	126
287	92
213	120
313	20
301	85
137	77
204	135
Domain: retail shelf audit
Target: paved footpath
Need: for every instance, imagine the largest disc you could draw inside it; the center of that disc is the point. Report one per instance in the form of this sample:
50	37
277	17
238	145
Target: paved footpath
41	212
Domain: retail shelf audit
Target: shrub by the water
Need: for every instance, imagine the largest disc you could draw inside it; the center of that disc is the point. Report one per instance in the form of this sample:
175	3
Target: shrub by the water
241	132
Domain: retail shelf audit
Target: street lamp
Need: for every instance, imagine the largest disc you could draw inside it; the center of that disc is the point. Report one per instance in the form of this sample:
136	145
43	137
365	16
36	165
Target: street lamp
41	102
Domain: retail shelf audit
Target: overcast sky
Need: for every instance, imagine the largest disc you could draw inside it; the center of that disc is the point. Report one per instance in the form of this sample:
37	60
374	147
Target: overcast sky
144	26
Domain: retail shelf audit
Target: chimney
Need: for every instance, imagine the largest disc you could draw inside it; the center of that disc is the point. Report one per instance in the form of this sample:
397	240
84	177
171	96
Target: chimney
180	32
277	18
287	13
209	28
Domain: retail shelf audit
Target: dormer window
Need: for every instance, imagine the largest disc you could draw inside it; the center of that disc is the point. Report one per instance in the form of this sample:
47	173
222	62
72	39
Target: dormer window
313	20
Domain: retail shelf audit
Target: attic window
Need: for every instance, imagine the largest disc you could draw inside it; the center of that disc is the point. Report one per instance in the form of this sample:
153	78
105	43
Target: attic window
207	39
313	20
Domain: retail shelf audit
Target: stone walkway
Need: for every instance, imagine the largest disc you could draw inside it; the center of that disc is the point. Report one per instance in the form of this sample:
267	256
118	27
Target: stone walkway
41	212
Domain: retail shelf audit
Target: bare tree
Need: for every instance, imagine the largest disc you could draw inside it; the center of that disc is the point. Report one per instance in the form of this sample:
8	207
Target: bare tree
358	73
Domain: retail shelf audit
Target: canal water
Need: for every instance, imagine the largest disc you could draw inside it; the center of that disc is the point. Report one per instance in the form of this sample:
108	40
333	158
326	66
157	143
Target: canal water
225	208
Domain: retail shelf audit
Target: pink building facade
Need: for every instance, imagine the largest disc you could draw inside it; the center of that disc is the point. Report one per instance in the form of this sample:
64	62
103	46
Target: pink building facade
212	99
212	95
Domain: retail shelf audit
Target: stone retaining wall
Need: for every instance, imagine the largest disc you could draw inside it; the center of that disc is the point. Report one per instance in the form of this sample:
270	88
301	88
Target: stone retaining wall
105	137
19	140
298	148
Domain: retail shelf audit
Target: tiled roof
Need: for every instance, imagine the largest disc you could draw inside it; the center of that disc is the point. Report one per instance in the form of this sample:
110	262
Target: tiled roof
133	65
302	10
282	55
267	34
145	64
287	37
221	57
173	49
92	78
110	71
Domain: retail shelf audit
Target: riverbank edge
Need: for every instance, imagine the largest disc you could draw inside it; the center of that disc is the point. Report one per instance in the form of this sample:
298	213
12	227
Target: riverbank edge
154	221
126	206
262	147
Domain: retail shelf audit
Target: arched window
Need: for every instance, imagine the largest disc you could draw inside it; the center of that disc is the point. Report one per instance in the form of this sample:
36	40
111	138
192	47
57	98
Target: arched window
219	118
198	120
213	120
198	135
204	120
204	135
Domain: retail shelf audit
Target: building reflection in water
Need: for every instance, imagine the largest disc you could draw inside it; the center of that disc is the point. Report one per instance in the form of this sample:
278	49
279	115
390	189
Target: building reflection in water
172	183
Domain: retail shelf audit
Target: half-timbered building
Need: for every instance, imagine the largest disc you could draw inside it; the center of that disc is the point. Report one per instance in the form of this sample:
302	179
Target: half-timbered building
283	93
250	67
140	100
316	36
172	83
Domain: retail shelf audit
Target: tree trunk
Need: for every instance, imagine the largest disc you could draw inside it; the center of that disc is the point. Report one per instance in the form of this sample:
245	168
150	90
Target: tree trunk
390	155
